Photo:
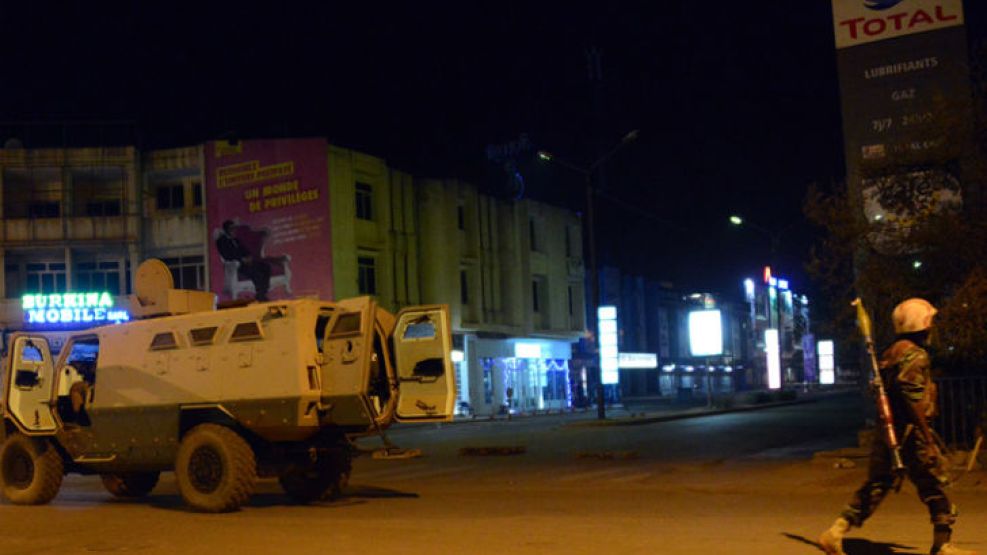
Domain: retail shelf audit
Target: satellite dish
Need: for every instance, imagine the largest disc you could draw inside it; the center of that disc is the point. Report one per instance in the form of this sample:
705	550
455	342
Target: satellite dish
153	280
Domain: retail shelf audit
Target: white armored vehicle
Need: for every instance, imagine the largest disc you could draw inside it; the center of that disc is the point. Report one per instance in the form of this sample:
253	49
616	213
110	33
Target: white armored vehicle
219	396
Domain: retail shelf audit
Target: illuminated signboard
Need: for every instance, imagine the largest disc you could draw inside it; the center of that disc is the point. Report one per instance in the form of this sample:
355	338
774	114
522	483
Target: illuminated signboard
72	308
637	360
609	357
705	333
827	367
772	351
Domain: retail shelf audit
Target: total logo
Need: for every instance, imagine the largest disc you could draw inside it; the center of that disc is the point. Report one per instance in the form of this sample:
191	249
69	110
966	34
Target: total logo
881	4
890	23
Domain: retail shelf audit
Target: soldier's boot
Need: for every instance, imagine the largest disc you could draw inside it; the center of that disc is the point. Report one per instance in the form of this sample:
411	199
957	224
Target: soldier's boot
950	549
831	540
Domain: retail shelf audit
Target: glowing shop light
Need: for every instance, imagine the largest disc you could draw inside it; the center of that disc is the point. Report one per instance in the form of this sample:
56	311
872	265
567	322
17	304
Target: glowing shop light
527	350
609	353
458	356
637	360
705	333
67	308
773	353
749	288
827	366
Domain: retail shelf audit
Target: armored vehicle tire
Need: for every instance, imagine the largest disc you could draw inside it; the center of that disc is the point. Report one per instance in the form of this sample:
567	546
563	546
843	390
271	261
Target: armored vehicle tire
215	468
31	470
130	484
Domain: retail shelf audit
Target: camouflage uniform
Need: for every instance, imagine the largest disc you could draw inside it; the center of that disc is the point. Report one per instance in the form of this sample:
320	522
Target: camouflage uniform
905	369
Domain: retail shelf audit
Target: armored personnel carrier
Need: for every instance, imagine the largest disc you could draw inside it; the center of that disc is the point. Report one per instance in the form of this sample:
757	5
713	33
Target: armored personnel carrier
220	397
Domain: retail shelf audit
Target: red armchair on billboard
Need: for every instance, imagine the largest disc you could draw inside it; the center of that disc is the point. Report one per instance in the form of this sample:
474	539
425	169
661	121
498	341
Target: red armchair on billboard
246	267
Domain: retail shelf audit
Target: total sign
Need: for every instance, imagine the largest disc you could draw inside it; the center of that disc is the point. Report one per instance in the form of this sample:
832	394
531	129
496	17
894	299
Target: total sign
862	21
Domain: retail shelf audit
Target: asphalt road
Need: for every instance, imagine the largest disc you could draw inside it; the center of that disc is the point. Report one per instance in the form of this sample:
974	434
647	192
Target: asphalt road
734	483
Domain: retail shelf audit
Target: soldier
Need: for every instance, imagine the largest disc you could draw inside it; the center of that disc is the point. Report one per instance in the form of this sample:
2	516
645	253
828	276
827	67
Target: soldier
905	370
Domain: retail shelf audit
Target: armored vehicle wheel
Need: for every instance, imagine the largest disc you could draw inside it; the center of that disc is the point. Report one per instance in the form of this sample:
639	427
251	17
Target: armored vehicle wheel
131	484
31	470
215	468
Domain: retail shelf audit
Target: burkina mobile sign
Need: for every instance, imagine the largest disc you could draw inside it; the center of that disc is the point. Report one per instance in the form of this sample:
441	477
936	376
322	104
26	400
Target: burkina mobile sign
863	21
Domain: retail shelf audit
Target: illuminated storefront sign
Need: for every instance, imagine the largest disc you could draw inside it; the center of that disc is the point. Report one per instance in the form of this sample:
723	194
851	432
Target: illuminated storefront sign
705	333
609	356
71	308
645	361
773	353
827	366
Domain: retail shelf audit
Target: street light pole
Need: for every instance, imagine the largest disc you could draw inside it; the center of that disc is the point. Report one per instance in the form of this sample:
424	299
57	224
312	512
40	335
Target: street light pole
590	230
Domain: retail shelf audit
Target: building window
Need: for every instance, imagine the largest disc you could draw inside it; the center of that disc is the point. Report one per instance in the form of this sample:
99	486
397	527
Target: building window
197	194
188	272
171	196
44	209
44	277
464	290
572	310
364	201
536	296
103	208
461	217
103	275
366	275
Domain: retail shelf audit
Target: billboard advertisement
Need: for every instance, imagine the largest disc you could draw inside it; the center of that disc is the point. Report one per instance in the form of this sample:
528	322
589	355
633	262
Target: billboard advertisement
268	219
905	95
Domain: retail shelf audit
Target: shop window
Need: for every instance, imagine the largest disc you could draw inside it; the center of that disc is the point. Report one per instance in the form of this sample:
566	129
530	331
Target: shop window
170	196
188	272
364	201
366	275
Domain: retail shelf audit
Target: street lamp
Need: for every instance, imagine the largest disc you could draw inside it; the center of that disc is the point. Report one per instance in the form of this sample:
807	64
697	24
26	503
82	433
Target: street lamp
587	173
775	237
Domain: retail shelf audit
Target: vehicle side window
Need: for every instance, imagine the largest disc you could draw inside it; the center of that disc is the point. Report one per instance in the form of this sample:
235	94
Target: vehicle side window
320	327
203	336
246	331
165	340
346	324
83	355
420	330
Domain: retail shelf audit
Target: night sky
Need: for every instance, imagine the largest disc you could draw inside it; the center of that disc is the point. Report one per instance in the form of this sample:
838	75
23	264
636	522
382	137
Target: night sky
737	103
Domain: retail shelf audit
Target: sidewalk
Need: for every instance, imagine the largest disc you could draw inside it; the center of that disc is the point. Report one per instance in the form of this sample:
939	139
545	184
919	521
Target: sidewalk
659	409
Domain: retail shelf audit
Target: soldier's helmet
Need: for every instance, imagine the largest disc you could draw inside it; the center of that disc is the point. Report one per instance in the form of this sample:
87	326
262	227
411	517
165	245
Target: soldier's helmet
913	315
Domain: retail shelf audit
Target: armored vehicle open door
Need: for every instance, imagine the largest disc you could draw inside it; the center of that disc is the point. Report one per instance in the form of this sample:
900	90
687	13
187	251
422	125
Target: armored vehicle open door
30	377
422	343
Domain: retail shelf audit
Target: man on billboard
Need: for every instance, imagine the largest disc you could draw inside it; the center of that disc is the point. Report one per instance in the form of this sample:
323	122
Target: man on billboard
250	264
